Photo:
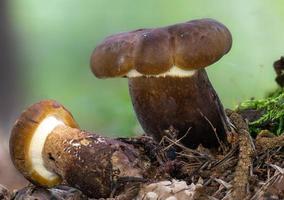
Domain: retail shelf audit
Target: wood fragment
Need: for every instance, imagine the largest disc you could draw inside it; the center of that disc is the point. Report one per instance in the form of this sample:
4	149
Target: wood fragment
246	150
263	142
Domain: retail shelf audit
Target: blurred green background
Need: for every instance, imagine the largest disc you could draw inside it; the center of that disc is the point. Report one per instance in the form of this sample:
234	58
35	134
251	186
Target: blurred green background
55	39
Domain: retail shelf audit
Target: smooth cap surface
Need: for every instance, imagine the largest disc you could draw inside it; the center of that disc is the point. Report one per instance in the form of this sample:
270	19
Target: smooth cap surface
188	46
23	133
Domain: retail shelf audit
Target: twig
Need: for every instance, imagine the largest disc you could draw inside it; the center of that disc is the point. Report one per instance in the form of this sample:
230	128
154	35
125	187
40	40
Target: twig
214	130
246	149
264	187
178	140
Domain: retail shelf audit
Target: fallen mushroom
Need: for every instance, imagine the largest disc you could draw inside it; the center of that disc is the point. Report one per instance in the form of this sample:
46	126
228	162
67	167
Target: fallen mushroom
28	138
167	81
47	147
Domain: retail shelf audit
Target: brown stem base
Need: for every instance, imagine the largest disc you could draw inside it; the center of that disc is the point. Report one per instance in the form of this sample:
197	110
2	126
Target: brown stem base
186	104
90	162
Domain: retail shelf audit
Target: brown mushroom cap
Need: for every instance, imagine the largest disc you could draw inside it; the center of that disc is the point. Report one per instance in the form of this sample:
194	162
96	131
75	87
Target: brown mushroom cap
188	46
23	132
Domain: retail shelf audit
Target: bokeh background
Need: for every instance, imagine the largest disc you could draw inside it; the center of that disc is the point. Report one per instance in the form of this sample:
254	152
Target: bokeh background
45	48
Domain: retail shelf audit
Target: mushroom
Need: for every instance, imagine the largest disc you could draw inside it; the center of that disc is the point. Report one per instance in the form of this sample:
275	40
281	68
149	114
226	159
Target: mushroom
28	138
47	147
168	84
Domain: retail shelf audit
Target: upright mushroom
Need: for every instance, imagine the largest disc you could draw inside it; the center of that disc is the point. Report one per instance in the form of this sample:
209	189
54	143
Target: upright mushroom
167	81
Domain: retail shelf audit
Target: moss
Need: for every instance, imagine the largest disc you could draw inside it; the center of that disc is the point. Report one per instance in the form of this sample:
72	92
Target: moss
272	109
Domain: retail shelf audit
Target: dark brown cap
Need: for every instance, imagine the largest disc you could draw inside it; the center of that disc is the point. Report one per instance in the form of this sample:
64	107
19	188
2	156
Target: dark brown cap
25	135
188	46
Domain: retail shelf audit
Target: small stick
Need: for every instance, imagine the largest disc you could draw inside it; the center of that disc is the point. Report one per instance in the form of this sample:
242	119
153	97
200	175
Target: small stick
246	149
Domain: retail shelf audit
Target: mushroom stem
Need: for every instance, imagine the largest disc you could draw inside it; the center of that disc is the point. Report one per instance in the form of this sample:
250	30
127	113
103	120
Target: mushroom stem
47	147
88	161
188	104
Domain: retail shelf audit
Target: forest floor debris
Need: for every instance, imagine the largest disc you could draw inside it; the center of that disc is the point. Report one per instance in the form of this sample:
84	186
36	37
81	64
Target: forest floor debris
249	166
242	172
